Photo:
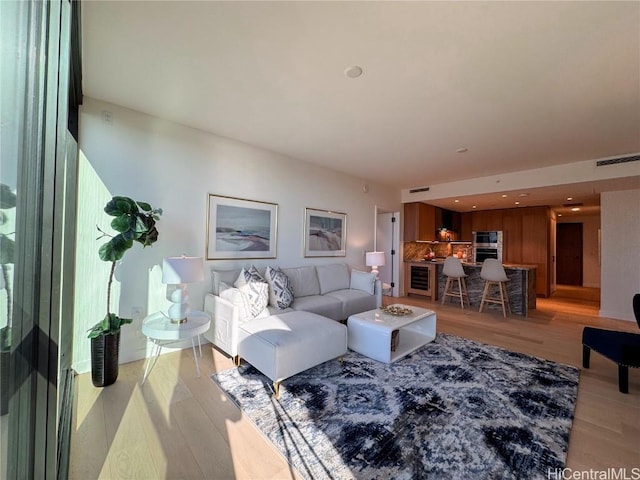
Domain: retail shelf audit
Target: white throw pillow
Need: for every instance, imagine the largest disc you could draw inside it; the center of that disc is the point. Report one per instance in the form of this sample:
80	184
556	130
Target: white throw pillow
257	294
238	300
280	291
364	281
220	276
246	276
254	292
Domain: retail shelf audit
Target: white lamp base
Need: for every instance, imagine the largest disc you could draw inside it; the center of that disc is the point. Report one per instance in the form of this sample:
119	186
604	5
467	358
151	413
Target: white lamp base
179	311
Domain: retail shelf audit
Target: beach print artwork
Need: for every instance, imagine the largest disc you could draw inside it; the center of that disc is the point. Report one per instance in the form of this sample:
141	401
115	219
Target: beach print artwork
325	233
241	228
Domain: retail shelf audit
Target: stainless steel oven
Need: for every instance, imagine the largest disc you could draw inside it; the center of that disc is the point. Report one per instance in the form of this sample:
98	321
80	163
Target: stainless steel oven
487	245
493	237
480	254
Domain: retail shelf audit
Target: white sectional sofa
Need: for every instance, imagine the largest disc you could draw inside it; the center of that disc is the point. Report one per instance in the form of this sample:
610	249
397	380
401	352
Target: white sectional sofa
334	291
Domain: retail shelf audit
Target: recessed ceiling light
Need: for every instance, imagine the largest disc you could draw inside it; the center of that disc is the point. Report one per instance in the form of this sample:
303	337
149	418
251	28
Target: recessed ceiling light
523	195
559	214
456	201
474	206
353	72
504	195
575	209
517	203
569	198
462	150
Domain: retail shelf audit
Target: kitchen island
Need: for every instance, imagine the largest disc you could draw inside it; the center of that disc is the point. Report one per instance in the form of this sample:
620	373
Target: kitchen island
521	286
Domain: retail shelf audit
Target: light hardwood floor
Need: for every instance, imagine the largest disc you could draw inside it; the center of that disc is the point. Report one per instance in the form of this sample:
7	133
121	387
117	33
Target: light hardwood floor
180	426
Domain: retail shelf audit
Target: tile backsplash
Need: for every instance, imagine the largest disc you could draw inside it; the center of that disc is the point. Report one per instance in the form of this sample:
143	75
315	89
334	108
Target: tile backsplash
418	250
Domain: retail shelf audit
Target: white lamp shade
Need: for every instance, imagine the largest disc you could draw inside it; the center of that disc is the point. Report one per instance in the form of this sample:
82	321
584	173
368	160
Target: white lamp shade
374	259
176	270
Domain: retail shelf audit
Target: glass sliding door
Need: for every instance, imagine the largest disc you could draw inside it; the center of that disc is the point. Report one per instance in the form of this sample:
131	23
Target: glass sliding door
37	205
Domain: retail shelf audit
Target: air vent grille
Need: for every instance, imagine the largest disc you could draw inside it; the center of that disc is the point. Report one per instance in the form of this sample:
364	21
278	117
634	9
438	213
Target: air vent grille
615	161
421	189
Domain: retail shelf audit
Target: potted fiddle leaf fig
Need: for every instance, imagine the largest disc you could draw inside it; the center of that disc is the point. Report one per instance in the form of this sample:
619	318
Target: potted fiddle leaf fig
134	222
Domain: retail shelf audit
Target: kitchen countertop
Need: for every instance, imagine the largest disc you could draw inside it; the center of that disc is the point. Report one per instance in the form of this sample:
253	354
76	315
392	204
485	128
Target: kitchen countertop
520	287
440	261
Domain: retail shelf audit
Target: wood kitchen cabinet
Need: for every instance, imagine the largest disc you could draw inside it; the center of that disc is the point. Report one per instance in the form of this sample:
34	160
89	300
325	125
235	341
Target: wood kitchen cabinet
526	238
486	220
536	227
419	222
512	237
465	227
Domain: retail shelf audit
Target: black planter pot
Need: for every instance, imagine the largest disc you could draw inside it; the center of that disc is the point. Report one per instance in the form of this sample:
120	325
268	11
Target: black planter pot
105	351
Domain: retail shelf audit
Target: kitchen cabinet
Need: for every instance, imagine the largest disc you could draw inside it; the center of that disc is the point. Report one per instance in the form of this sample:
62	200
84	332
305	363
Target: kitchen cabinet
536	226
486	220
512	237
419	222
465	227
448	219
526	238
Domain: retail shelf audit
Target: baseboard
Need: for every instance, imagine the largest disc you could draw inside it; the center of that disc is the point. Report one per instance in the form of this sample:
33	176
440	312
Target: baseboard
132	355
627	316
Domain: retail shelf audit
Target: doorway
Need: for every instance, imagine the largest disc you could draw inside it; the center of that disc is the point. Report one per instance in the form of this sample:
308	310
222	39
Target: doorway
569	254
387	239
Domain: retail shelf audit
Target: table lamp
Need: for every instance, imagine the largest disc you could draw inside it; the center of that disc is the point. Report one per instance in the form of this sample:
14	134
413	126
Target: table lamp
374	260
180	271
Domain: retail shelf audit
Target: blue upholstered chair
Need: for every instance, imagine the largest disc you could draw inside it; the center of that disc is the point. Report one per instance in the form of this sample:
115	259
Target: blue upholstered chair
622	348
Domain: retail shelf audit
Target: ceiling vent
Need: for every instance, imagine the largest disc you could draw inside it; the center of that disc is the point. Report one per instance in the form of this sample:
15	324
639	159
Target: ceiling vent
421	189
576	204
614	161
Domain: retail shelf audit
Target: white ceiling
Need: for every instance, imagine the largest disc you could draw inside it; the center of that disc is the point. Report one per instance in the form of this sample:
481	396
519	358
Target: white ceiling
521	85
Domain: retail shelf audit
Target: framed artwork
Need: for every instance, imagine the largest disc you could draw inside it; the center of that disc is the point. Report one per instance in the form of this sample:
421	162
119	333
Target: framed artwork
325	233
238	228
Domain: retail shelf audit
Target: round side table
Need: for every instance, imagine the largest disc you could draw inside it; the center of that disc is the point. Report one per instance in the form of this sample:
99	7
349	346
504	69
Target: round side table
159	329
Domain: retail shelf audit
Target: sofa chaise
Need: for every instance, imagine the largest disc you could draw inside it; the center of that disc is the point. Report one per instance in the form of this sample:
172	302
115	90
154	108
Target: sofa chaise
282	338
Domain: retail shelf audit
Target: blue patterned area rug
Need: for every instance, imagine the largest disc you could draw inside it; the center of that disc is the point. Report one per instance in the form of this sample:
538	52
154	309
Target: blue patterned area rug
453	409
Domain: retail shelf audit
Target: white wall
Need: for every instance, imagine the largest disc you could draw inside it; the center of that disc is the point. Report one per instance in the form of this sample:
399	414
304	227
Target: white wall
590	256
174	167
620	280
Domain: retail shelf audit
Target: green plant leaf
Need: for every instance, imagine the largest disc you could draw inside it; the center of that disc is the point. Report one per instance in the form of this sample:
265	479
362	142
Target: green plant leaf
114	249
105	325
122	223
144	206
95	331
142	225
120	205
148	238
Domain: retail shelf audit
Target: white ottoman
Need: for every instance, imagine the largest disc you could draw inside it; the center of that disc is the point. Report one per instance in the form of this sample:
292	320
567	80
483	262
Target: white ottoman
285	344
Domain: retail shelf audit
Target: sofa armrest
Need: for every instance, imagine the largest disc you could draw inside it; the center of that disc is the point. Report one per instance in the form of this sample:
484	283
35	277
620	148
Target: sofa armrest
377	291
225	319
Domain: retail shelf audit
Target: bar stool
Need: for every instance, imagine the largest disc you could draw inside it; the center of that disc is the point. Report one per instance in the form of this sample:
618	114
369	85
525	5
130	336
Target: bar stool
453	270
493	273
